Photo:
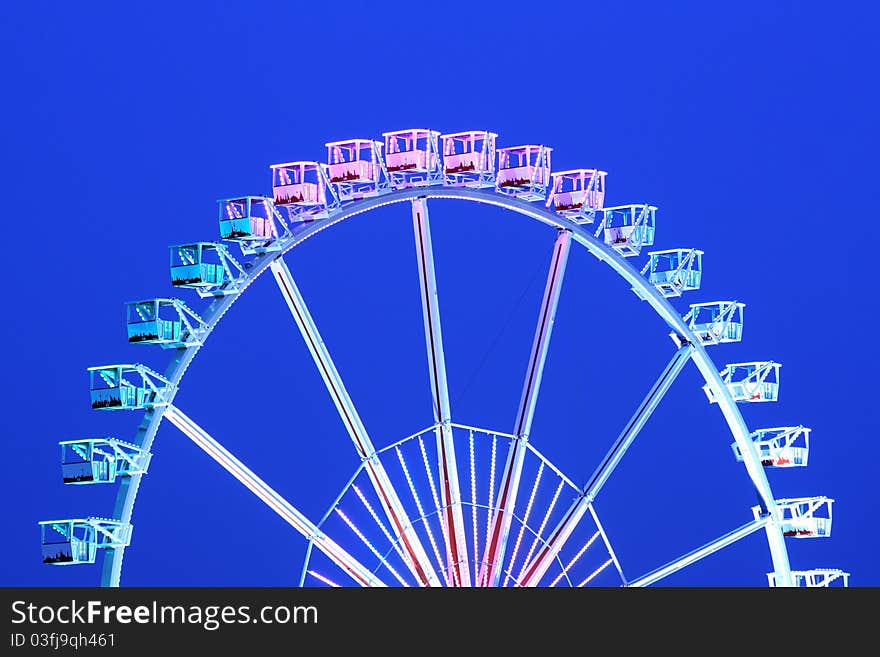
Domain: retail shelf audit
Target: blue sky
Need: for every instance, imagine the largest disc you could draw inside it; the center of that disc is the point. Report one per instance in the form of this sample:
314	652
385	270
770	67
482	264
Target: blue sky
750	128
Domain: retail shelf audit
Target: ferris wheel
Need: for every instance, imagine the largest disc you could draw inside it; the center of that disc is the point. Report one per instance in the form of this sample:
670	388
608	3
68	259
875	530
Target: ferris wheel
453	504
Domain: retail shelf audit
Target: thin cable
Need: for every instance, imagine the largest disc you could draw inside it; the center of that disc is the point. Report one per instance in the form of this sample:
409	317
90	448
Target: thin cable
498	336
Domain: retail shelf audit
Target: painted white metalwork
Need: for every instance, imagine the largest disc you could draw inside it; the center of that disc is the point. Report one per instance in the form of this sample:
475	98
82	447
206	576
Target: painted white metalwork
412	158
77	540
805	517
452	579
524	171
571	562
527	561
716	322
378	521
815	578
420	509
400	524
146	324
547	479
356	168
129	486
450	493
700	553
370	546
510	478
627	228
780	447
525	521
567	524
608	544
271	498
303	190
469	158
674	271
127	387
253	222
577	194
101	460
206	267
749	382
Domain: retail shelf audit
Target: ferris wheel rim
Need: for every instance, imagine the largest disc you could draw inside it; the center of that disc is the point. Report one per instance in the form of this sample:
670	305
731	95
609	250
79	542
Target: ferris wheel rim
127	493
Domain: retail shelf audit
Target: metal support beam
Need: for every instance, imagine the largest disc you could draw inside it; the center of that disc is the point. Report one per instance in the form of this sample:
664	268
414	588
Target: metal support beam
450	495
271	498
509	487
417	558
558	537
699	553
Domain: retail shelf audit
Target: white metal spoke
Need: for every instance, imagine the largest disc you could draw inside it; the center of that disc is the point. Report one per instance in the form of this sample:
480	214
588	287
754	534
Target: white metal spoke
378	521
701	552
439	512
558	537
418	561
525	521
271	498
509	486
607	544
421	511
450	494
370	546
306	562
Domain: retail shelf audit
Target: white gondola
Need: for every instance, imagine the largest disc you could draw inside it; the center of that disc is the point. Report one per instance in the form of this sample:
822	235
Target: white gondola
749	382
302	190
577	194
815	578
252	222
412	157
356	168
804	517
627	228
716	322
77	540
674	271
780	447
524	171
469	158
101	460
